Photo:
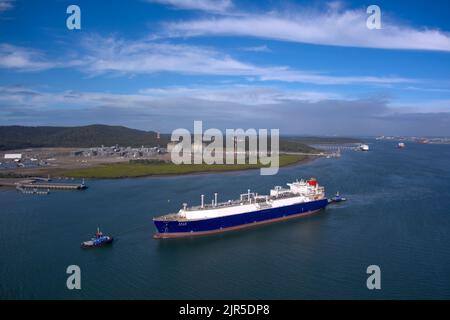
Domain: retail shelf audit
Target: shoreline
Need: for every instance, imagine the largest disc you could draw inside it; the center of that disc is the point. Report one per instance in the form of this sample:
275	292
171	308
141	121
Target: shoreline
200	173
8	182
216	170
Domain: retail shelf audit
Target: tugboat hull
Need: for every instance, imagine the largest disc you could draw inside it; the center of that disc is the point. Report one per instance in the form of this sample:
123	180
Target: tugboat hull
93	244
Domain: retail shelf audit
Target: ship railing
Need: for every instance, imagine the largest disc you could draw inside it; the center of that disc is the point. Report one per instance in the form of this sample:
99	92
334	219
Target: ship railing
254	199
284	195
264	205
211	206
261	199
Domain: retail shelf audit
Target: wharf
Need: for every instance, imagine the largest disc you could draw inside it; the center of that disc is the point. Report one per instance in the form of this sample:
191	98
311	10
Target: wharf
40	184
54	186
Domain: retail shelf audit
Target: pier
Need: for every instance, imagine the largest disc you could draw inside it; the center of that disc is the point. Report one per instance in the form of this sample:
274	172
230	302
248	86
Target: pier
34	191
54	186
336	147
322	154
40	185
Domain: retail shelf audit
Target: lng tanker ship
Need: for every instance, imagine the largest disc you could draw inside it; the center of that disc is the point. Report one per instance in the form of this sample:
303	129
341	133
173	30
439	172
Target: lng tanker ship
299	199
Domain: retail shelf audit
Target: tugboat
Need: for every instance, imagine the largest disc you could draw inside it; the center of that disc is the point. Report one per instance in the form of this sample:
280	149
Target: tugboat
99	240
363	147
337	198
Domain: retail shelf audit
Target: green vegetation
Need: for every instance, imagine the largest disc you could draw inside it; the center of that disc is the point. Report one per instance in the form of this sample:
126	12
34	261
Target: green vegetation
292	145
148	161
20	137
133	169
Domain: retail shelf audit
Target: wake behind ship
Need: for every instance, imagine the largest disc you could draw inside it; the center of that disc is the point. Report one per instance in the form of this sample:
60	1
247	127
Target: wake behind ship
300	199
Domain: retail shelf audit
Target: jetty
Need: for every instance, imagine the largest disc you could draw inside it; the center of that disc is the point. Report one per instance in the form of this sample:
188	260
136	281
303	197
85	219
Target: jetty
40	185
33	191
53	186
321	154
336	147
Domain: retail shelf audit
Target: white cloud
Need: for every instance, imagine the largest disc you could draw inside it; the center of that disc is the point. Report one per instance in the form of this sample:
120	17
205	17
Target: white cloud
26	97
423	106
334	27
146	57
6	5
439	90
160	109
116	55
186	96
202	5
263	48
234	94
20	58
240	94
112	55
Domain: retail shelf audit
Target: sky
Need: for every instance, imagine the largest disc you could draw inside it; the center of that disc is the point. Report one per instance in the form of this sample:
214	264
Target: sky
304	67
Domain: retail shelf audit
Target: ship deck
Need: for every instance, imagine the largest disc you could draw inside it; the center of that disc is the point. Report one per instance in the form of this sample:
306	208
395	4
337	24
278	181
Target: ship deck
261	200
171	217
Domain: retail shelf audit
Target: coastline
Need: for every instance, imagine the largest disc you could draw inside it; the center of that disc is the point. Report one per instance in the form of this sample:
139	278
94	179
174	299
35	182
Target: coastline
7	182
113	171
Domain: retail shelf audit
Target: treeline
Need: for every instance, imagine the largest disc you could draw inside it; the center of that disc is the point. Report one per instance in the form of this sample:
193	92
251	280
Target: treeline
21	137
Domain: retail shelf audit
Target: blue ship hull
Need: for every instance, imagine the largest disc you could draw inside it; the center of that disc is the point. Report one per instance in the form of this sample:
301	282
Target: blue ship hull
183	228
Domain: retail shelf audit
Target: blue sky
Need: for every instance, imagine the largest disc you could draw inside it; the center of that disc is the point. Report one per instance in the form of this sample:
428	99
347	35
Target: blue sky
306	67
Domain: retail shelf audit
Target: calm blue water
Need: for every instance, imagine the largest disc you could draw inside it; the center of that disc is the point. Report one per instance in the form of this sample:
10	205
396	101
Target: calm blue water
397	217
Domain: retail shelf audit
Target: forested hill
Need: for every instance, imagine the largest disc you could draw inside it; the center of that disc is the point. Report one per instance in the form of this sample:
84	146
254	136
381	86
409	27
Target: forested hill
20	137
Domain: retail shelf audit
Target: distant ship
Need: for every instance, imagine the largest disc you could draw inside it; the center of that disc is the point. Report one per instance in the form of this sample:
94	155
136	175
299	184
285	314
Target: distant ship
363	147
401	145
423	141
301	198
